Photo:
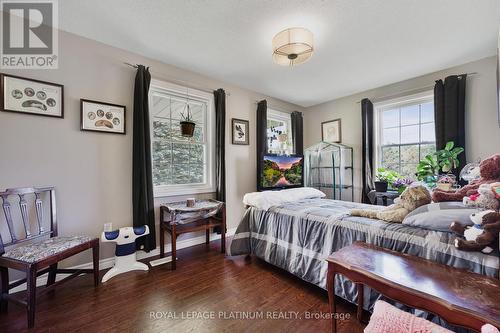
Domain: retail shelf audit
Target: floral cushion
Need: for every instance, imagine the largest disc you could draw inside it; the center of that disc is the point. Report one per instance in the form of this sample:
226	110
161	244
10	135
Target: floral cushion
36	252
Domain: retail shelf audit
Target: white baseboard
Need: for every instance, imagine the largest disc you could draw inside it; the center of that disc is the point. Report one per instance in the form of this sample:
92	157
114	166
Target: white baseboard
109	262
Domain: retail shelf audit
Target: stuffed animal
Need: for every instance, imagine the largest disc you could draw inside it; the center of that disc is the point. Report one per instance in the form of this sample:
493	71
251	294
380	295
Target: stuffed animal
411	198
484	198
490	173
481	235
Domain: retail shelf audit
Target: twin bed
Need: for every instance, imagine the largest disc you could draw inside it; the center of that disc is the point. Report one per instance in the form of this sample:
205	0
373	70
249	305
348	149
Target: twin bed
298	236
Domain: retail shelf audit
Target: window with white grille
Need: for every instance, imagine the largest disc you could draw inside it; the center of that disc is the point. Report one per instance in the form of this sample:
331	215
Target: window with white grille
181	165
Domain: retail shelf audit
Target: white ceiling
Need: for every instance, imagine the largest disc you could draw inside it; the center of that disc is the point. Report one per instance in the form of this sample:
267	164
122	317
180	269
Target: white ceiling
359	44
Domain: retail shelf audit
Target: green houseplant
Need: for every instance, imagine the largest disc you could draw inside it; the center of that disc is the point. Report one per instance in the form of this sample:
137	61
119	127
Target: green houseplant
442	161
448	157
428	169
383	178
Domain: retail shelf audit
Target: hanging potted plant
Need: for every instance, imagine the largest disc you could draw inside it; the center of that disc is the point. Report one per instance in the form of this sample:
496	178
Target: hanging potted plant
187	124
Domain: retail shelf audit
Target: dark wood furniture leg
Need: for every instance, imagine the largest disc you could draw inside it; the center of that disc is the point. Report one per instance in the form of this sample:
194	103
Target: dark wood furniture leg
174	241
162	237
207	236
31	294
359	313
52	274
384	200
330	282
223	231
4	276
95	258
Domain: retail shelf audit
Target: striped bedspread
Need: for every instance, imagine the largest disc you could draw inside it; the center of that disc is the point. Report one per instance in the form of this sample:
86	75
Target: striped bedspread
299	236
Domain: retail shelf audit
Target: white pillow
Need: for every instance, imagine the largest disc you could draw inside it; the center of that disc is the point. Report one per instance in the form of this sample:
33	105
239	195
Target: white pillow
267	199
439	216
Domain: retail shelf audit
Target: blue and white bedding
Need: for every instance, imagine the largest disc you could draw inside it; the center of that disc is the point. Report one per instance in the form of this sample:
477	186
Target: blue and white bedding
298	237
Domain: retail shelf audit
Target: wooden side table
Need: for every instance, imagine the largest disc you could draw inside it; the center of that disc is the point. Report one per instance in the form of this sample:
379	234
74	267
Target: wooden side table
461	298
374	196
176	219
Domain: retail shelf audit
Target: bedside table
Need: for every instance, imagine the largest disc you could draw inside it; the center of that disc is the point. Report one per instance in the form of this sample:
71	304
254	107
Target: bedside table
176	219
374	196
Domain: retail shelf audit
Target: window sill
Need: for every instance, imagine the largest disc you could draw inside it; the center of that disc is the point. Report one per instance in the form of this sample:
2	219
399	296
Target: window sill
172	192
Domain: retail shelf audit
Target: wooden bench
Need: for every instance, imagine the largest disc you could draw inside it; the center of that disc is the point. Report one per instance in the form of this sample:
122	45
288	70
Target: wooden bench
461	298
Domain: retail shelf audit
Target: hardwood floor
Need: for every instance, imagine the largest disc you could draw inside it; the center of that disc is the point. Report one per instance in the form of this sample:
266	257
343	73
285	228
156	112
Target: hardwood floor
205	284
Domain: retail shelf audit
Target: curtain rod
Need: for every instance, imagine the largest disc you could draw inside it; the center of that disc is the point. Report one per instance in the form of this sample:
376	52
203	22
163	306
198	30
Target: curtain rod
416	90
184	83
274	107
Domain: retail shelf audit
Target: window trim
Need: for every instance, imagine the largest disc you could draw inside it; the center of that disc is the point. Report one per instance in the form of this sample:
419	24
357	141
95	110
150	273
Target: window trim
187	189
412	99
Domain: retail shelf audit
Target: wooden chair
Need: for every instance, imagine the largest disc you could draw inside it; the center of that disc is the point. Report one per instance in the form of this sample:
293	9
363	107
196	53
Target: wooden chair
42	256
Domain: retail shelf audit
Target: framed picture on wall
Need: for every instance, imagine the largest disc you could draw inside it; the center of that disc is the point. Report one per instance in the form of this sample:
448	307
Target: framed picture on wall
102	117
36	97
240	131
331	131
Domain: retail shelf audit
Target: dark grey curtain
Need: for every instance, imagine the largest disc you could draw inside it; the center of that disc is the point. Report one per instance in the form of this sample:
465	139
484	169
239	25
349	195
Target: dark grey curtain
220	144
261	137
449	113
367	146
297	132
142	179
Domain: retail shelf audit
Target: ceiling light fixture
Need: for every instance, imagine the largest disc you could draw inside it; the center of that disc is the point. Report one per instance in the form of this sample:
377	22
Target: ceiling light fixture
292	46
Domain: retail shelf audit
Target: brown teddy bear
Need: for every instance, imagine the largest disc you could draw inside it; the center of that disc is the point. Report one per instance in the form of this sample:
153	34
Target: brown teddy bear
489	170
481	235
411	198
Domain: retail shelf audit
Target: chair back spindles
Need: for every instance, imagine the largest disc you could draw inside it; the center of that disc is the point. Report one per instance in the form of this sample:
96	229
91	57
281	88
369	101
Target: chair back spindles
8	217
23	205
25	208
39	211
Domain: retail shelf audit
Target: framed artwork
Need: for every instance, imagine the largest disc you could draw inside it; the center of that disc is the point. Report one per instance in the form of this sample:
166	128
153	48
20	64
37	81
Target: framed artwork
240	131
36	97
331	131
102	117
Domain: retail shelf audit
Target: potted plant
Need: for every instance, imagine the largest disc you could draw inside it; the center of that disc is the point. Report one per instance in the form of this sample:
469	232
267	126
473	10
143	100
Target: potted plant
427	170
401	184
448	157
187	125
444	160
384	178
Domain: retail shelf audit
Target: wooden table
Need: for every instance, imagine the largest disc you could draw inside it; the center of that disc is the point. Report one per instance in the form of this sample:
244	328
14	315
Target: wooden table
176	219
461	298
374	196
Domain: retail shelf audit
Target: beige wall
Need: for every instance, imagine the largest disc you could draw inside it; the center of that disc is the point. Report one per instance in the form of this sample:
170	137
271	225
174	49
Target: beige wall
482	131
93	171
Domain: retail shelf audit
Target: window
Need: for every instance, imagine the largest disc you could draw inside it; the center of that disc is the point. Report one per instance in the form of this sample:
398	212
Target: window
405	132
278	124
181	165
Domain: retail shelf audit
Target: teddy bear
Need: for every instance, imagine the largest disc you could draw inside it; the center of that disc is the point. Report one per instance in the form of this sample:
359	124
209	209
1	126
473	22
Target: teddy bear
484	198
489	170
482	235
411	198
